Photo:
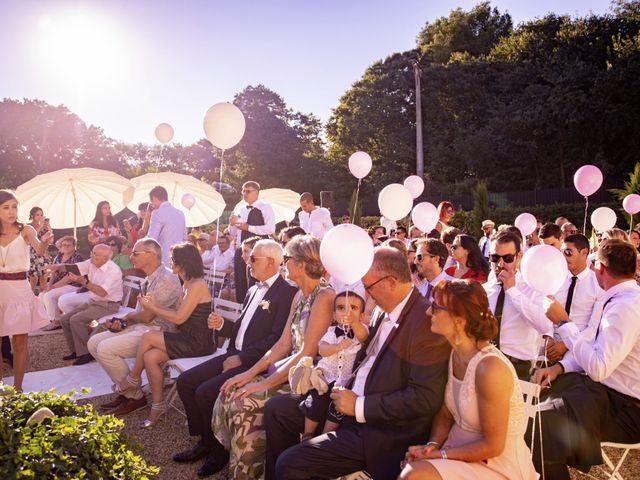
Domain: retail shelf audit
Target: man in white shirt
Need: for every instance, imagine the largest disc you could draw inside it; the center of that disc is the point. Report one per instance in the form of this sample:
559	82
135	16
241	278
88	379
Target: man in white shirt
488	227
610	358
104	282
518	308
431	257
397	387
168	225
313	219
255	218
579	293
221	255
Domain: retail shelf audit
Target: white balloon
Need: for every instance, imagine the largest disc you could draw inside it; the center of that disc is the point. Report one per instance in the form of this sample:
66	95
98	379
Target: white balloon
224	125
395	201
603	218
544	269
164	133
346	252
188	201
360	164
415	185
425	216
288	214
527	223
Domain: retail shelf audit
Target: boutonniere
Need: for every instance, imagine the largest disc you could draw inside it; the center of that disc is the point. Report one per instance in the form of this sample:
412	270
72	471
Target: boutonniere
264	304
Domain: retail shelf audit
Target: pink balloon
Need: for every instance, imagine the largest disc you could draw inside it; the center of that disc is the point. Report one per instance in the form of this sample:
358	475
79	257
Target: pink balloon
188	201
527	223
587	180
631	203
415	185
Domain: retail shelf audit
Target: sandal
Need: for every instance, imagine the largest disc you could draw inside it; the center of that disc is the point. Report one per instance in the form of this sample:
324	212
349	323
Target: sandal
129	383
157	411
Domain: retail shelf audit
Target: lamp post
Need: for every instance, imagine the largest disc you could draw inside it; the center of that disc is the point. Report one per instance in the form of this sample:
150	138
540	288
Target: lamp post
419	145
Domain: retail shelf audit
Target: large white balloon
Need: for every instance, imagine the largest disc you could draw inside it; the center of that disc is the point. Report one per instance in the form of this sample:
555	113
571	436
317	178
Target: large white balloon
360	164
527	223
415	185
224	125
164	133
603	218
395	201
346	252
425	216
544	269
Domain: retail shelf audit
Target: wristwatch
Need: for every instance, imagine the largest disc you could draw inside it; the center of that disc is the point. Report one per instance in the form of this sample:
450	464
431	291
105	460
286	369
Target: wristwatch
563	322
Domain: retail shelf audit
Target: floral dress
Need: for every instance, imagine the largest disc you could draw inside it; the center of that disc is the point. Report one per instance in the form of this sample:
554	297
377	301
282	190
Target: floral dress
37	263
238	424
98	234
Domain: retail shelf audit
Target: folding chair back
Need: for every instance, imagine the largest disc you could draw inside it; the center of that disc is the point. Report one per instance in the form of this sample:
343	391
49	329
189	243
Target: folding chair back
215	280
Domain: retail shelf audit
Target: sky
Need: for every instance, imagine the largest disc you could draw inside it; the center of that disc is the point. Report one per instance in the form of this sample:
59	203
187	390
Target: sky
128	65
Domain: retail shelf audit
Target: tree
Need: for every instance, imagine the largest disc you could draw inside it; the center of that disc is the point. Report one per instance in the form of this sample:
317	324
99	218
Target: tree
632	185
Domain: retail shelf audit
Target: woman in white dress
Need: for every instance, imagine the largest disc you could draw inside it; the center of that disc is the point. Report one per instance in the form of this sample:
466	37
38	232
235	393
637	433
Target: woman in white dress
479	431
20	310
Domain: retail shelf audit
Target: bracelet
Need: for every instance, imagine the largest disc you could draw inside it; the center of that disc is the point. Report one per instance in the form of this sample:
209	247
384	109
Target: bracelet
443	454
437	444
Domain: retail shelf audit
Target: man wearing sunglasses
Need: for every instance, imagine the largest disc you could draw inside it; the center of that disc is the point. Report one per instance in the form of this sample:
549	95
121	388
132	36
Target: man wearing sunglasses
430	259
518	308
577	296
254	218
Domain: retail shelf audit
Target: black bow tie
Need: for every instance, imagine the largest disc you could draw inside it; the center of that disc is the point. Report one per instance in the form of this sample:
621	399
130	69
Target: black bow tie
249	207
340	332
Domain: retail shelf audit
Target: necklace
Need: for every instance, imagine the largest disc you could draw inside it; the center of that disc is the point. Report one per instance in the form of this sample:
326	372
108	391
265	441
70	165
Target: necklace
4	254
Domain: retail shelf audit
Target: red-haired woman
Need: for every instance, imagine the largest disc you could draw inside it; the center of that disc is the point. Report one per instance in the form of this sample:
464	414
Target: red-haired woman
446	211
479	431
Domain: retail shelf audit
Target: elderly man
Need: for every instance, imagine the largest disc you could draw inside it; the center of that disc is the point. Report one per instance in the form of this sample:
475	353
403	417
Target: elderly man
488	227
401	372
168	225
254	218
250	336
111	348
104	284
315	220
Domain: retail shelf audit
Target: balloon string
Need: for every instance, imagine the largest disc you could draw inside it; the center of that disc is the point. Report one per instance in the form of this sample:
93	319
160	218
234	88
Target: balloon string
217	232
586	209
355	204
159	158
631	224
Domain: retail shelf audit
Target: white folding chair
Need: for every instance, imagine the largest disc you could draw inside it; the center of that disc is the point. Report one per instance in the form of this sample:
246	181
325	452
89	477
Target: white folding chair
215	280
614	470
229	311
531	394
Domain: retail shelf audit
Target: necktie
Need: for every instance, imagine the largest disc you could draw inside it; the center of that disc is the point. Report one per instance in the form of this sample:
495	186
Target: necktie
498	314
572	287
428	294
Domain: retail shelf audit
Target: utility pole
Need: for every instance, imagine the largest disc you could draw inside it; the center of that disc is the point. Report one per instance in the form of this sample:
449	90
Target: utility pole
419	146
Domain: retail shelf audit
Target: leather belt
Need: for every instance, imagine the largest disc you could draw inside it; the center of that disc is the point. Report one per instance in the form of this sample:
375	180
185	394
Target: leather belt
13	276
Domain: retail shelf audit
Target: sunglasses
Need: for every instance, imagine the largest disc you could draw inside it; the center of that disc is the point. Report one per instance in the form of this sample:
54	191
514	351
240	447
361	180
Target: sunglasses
451	210
508	258
421	256
112	244
567	252
253	258
435	307
571	232
369	287
285	259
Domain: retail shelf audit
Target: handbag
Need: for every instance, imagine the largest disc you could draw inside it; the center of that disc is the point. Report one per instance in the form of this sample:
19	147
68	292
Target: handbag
305	376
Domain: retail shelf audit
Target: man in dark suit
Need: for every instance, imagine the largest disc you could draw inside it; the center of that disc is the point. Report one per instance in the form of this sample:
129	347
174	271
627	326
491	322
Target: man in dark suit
397	387
265	312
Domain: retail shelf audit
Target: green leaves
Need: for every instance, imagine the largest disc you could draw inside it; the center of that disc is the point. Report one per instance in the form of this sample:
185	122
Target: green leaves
77	443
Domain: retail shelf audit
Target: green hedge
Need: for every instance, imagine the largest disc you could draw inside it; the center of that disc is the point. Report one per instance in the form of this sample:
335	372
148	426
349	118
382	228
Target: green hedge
76	443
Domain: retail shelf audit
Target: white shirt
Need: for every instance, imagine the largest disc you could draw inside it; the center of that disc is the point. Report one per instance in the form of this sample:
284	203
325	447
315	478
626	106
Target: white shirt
108	276
389	321
168	227
613	358
269	227
338	367
585	294
252	306
317	223
223	260
424	286
485	246
523	319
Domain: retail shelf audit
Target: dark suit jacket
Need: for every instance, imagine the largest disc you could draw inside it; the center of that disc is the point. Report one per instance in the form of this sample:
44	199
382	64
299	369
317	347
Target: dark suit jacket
404	388
265	327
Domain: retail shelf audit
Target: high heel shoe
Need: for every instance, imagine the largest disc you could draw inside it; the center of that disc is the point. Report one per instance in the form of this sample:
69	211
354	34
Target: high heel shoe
157	411
129	383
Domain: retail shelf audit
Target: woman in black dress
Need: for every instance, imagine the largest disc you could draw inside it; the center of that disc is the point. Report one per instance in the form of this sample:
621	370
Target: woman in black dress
192	338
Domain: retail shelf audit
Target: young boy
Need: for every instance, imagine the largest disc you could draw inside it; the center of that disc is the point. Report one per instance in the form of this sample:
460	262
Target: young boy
338	348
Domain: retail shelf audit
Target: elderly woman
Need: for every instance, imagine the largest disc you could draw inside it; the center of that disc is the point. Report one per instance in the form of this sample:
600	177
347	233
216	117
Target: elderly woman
238	412
192	338
116	244
59	282
479	431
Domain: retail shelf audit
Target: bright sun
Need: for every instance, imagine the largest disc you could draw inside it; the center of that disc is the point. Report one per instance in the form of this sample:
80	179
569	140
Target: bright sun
81	48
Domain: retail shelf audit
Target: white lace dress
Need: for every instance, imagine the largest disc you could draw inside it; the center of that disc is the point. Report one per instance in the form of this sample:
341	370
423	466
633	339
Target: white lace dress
514	463
20	310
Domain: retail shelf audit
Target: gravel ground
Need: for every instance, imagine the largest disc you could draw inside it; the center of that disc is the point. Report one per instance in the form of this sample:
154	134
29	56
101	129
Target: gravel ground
170	435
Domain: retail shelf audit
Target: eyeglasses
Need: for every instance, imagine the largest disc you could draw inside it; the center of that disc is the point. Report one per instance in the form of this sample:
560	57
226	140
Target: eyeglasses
135	254
249	190
571	232
253	258
420	256
67	245
285	259
435	307
508	258
369	287
112	244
